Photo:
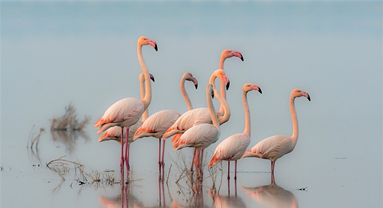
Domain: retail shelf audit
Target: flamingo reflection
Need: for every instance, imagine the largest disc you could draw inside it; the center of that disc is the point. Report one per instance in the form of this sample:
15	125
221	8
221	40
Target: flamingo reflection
124	200
221	201
272	195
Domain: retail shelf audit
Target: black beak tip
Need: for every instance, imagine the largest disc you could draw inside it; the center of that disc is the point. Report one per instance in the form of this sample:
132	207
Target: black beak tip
308	97
196	86
156	48
153	79
242	58
228	85
260	91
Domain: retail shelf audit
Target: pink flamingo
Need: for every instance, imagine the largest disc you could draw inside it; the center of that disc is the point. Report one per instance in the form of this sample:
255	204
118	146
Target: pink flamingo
114	133
233	147
202	135
199	115
276	146
126	112
157	124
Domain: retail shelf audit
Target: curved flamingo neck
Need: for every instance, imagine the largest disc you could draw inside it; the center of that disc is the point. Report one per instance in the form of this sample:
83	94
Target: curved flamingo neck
148	88
185	94
247	113
211	108
145	115
223	89
294	137
222	60
224	110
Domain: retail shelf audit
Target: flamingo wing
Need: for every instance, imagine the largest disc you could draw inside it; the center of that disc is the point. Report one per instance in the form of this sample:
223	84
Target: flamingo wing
124	112
157	124
232	148
199	136
271	148
188	120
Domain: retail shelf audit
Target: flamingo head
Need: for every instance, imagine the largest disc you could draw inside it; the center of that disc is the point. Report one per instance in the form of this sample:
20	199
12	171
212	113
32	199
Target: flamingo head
189	77
250	87
146	41
107	136
230	53
220	73
300	93
209	90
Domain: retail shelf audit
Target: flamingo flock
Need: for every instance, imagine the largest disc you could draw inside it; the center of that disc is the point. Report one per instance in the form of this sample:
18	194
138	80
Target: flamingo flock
196	128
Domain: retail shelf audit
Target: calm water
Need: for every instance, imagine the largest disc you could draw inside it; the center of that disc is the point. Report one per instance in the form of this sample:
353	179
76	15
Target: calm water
84	53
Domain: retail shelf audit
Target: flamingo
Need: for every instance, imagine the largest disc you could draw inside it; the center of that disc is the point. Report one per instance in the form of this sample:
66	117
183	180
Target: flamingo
233	147
157	124
200	115
202	135
276	146
114	133
126	112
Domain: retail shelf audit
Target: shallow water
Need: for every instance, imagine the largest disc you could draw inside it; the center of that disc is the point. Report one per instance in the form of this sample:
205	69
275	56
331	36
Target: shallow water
84	53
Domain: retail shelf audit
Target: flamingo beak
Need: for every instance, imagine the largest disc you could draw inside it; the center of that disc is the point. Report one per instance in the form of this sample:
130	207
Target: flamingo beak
227	85
152	43
195	83
151	77
259	90
212	94
308	97
242	58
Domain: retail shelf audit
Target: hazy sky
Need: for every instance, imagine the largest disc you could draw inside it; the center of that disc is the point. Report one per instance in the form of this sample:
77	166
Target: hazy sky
85	53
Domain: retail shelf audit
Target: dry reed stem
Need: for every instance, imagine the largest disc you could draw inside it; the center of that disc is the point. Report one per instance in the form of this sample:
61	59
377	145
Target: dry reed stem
69	121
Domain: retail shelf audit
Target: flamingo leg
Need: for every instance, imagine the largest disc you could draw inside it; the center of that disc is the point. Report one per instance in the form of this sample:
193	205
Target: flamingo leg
235	184
122	156
228	170
272	167
159	158
162	160
201	163
191	167
127	151
235	173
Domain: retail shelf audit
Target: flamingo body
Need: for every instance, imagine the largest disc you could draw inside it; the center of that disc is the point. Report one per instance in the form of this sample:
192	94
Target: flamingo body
157	124
271	148
188	120
124	112
232	148
199	136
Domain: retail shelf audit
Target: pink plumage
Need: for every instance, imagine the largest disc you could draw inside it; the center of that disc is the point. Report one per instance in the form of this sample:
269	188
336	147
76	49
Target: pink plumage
276	146
124	112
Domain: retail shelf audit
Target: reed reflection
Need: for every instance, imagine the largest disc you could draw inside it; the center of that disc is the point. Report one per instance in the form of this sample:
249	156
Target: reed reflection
272	195
69	138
